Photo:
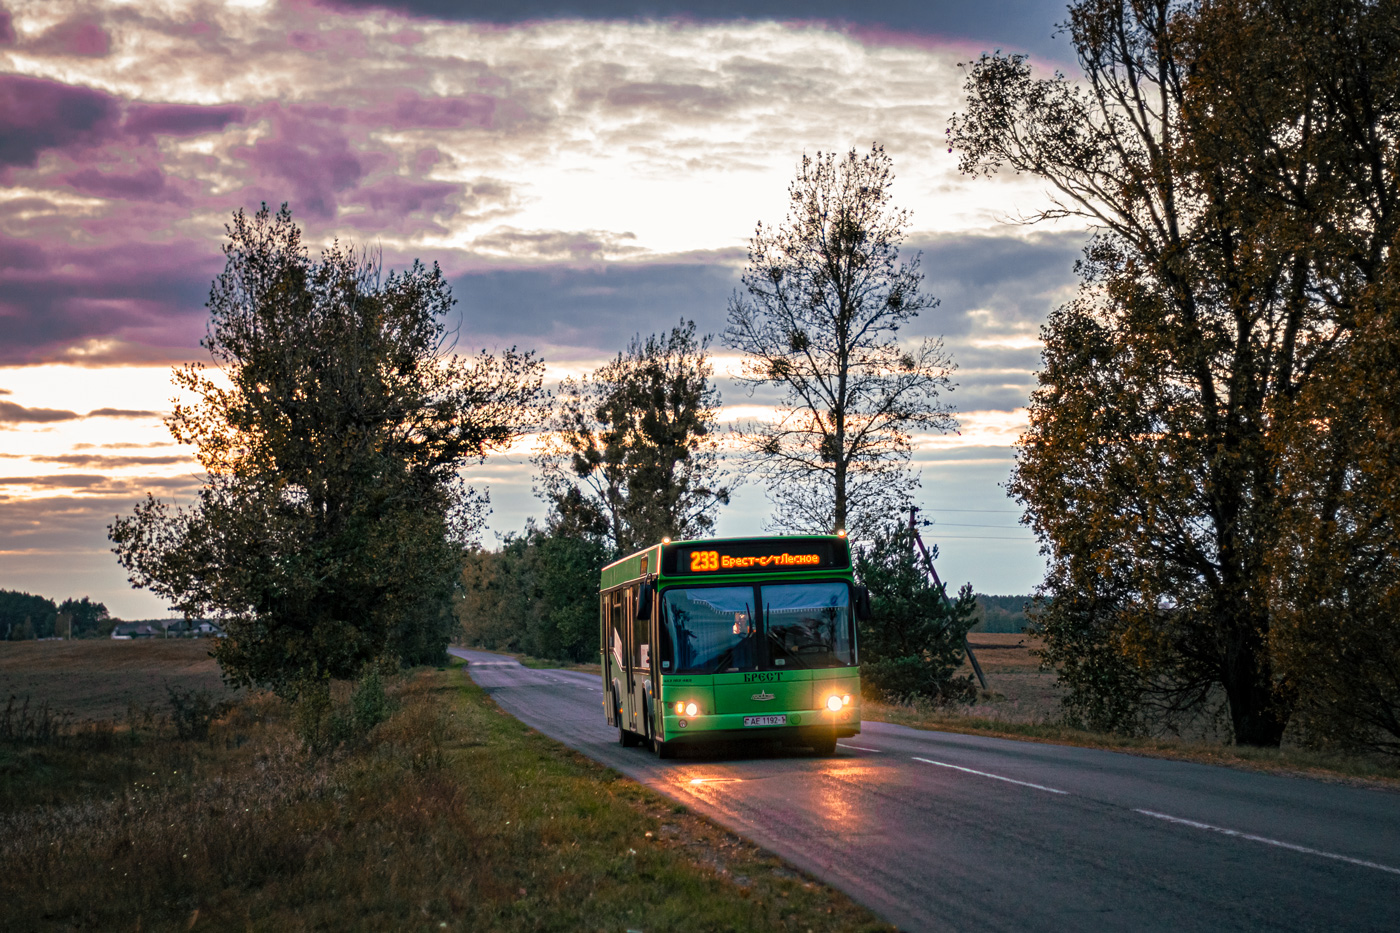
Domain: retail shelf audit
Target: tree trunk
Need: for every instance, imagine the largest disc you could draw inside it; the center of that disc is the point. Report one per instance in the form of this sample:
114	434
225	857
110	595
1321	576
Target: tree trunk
1258	713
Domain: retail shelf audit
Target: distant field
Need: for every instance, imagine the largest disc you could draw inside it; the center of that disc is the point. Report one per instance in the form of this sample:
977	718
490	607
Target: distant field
1017	689
98	679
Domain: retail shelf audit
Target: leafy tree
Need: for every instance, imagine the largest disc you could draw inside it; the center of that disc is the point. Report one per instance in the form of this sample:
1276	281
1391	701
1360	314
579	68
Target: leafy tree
24	616
824	298
88	616
913	644
535	594
632	454
329	531
1237	165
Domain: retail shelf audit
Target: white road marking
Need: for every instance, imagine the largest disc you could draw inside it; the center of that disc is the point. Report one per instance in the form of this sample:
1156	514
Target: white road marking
859	748
996	777
1267	841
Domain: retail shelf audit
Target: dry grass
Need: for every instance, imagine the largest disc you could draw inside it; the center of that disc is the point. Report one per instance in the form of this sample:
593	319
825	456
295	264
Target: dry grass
450	815
100	679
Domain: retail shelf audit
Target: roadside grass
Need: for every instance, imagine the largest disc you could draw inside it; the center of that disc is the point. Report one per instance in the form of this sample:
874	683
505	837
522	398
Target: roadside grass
448	815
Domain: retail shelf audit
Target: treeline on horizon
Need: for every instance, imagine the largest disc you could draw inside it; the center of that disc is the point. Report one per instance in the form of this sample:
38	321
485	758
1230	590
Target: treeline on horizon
25	616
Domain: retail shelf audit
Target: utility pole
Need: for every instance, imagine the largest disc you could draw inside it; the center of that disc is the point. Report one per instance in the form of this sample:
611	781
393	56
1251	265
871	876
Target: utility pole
938	585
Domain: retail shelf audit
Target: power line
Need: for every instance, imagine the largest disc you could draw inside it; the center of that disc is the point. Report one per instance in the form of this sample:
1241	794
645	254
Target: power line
1000	511
938	525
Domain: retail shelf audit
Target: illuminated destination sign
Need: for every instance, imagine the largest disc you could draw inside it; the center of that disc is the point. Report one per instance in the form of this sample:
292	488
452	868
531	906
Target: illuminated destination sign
760	556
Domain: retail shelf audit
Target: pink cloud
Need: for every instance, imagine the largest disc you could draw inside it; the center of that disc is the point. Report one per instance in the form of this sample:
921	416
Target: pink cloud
7	28
145	185
146	120
310	155
401	196
410	110
80	37
136	301
37	114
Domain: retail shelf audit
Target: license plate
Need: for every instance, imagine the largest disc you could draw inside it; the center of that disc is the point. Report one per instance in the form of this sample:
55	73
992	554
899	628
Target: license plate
766	720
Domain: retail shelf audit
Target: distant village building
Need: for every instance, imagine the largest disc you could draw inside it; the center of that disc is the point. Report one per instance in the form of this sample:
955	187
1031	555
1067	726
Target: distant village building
193	628
125	631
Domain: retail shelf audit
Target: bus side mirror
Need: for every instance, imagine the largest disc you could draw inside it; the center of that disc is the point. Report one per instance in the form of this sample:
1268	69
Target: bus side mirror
863	612
644	603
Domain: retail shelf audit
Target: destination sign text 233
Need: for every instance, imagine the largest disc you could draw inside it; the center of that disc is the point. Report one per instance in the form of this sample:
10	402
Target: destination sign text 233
710	561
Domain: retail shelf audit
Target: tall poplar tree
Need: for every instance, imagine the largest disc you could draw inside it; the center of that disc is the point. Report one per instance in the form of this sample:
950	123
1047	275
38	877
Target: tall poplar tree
819	318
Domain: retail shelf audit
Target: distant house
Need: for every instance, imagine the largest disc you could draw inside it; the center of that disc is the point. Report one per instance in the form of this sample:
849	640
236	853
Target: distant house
125	631
193	628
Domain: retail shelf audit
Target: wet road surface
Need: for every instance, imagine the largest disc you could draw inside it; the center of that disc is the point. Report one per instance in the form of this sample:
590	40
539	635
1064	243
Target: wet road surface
939	831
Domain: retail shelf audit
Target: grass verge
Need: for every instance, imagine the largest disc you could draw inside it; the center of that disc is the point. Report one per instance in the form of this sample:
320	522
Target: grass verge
449	815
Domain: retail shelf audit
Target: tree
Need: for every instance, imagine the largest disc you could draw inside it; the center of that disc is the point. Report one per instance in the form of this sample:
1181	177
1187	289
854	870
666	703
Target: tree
824	298
328	533
632	453
24	616
533	595
912	645
1220	149
88	616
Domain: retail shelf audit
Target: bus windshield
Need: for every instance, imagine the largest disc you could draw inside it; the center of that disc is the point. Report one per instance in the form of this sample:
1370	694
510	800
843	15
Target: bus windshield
709	629
808	624
713	629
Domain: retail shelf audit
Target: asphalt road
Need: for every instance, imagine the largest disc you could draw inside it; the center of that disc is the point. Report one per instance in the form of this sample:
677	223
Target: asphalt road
938	831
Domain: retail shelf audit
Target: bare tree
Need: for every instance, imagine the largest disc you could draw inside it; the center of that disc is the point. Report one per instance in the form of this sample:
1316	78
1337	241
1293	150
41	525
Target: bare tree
824	298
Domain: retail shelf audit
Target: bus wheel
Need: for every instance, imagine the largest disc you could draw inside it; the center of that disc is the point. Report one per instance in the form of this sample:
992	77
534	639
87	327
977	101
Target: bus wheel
626	737
825	746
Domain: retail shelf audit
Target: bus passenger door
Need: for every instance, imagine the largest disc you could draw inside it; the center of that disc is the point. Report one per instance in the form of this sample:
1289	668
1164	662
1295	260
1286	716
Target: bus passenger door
616	659
636	671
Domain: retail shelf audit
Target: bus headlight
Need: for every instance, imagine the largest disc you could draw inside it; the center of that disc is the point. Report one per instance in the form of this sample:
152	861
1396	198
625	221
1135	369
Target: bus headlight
691	709
833	702
846	700
680	708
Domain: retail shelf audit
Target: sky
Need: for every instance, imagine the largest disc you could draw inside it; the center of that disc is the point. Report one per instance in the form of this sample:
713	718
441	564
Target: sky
582	171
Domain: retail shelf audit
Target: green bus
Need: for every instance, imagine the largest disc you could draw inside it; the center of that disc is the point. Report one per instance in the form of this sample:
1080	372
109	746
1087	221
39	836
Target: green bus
732	638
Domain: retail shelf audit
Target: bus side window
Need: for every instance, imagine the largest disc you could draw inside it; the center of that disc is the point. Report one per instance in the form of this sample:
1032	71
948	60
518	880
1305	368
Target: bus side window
639	630
618	628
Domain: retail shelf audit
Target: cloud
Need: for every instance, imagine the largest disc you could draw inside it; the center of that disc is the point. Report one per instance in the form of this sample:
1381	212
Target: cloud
131	302
144	121
7	28
106	484
37	114
1011	24
556	245
10	413
309	156
589	311
58	480
109	462
145	185
124	413
81	37
411	110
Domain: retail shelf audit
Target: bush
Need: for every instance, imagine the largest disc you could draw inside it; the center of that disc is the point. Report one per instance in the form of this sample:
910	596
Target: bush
192	711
